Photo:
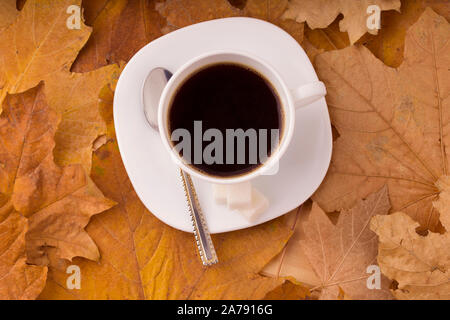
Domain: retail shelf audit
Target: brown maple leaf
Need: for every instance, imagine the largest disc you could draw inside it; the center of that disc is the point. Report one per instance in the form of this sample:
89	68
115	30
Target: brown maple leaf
120	29
18	280
331	257
392	123
292	261
186	12
183	13
272	11
289	290
341	253
442	205
8	13
327	39
58	201
388	45
321	13
39	46
420	264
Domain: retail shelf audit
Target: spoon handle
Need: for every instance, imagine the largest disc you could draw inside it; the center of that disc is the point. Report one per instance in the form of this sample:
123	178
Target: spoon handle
202	236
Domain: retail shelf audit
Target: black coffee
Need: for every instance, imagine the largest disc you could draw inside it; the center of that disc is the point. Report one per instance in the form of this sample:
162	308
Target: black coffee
226	96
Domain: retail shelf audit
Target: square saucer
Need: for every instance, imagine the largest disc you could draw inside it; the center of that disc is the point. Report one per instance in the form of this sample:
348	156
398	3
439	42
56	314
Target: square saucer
155	177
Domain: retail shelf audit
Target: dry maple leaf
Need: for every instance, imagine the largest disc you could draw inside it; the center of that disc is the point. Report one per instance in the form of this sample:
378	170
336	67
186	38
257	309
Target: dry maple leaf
58	201
327	39
443	203
289	290
388	45
420	264
120	29
321	13
75	97
142	258
341	253
181	13
8	13
18	280
186	12
292	261
311	51
392	122
28	50
271	11
39	46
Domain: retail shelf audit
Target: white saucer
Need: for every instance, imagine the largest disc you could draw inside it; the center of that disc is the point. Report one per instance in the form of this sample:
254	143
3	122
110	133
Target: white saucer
153	174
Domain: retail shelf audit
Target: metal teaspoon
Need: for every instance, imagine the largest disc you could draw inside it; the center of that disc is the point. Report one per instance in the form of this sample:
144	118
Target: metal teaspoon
153	86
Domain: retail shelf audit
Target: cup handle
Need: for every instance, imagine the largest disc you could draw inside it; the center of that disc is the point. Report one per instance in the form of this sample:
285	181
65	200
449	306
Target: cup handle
308	93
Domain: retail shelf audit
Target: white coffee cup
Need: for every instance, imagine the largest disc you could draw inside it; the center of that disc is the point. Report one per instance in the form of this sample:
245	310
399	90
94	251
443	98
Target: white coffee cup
290	99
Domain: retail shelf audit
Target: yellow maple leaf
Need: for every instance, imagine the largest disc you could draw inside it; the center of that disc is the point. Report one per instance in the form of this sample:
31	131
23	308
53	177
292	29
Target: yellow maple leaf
8	13
58	201
40	46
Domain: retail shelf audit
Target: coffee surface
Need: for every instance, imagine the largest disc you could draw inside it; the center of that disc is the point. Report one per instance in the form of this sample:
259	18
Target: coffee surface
226	96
